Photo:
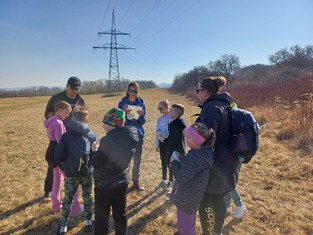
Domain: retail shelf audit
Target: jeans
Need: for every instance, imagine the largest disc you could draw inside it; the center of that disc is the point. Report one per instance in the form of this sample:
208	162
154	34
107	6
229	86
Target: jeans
137	162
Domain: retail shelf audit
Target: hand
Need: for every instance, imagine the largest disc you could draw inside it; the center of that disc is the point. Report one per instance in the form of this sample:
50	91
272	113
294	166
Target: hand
157	149
175	156
140	112
94	146
161	139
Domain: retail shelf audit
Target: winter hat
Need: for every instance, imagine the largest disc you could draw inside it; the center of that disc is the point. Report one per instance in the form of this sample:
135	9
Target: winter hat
195	136
114	117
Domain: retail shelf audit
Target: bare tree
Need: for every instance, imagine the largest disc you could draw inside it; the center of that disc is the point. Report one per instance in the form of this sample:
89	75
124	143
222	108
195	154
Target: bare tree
226	65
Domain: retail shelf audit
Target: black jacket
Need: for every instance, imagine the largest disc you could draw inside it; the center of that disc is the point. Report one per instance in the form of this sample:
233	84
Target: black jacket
176	140
223	174
111	161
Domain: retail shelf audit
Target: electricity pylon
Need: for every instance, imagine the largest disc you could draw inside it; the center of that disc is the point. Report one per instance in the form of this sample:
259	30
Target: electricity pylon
114	73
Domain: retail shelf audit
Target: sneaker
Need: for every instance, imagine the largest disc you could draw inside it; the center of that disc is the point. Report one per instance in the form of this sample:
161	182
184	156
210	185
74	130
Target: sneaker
62	230
46	198
169	187
137	186
89	225
239	212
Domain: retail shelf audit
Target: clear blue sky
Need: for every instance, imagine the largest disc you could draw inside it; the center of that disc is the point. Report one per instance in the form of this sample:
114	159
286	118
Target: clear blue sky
43	42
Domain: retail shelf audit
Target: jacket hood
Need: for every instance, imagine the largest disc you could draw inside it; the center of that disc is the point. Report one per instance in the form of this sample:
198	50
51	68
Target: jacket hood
125	100
125	134
224	96
80	128
50	120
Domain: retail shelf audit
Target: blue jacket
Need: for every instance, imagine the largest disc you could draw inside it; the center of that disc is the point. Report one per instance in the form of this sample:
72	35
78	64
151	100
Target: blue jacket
191	175
73	150
223	174
141	120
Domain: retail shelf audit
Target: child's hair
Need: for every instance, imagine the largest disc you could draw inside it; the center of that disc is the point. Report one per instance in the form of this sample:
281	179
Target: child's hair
179	109
80	113
165	102
62	105
132	84
206	133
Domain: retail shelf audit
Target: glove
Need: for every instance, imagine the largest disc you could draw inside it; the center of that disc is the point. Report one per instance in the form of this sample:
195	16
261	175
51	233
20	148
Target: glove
175	156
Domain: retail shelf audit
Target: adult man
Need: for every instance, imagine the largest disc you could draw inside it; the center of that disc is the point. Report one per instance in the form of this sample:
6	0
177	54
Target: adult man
71	96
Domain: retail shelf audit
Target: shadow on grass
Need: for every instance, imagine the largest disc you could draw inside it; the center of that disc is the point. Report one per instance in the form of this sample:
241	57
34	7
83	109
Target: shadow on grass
143	202
20	208
228	228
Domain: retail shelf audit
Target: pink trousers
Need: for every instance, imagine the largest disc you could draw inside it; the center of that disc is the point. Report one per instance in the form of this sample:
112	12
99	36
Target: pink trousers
58	179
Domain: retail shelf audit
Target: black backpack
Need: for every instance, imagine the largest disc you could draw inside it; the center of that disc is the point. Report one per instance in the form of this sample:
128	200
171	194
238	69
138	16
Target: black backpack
244	132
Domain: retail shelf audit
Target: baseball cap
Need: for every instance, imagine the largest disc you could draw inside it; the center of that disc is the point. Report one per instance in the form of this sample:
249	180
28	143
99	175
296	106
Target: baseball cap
74	83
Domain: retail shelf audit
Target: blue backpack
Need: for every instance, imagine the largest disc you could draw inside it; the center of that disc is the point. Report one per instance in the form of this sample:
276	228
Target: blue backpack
244	132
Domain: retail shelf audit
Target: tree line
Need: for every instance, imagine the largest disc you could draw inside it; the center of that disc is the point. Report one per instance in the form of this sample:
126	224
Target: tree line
284	65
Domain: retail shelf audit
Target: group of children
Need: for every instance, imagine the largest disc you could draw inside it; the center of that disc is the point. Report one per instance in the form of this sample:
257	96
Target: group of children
76	156
190	170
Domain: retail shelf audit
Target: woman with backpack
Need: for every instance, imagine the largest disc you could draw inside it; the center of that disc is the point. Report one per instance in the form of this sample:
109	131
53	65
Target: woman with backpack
214	113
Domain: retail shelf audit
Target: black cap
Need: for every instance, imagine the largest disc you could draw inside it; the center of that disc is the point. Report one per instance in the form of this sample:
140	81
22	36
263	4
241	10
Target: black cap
74	83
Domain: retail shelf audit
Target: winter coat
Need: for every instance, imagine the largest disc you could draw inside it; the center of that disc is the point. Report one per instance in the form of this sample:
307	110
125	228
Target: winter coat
191	175
73	151
161	129
111	161
223	172
176	140
138	123
55	129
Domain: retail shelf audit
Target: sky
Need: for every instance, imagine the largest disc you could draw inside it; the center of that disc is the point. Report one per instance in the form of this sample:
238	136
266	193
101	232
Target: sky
44	42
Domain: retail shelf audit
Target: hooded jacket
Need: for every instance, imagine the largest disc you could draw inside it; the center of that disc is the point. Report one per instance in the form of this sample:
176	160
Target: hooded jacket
55	128
223	174
111	161
73	150
191	177
176	140
138	123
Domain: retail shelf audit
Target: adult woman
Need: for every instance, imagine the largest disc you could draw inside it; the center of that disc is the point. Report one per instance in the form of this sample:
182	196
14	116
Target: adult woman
135	110
223	173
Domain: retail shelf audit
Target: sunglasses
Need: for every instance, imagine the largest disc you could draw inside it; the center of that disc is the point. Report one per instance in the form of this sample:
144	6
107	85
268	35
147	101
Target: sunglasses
132	91
160	109
198	90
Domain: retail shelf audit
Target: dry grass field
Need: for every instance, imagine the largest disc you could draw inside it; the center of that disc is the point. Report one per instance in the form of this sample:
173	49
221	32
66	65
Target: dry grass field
276	186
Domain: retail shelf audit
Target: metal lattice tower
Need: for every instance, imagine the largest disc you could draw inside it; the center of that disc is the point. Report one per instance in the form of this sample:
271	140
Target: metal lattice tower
114	73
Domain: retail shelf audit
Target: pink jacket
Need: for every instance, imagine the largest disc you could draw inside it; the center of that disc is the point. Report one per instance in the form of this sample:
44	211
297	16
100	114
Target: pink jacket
55	128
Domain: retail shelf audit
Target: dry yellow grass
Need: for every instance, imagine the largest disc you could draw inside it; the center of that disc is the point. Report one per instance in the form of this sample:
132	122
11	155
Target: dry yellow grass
276	186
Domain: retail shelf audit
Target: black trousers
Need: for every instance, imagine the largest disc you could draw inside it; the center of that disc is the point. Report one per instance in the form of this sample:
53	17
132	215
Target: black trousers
104	200
51	164
212	213
165	162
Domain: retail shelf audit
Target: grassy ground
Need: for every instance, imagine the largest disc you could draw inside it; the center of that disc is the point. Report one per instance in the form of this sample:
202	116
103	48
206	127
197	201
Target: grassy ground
277	185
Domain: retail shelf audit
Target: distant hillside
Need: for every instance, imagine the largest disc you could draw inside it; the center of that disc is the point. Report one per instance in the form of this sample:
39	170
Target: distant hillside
164	84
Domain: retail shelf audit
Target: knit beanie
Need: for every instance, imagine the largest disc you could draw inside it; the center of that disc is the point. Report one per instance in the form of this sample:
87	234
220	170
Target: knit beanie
114	117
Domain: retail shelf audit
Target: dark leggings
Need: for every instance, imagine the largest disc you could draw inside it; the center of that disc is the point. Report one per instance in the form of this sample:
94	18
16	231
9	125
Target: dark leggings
165	162
212	213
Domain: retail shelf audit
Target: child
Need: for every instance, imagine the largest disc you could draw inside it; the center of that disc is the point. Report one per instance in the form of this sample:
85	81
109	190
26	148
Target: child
55	129
191	173
162	131
111	171
73	152
235	196
175	140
